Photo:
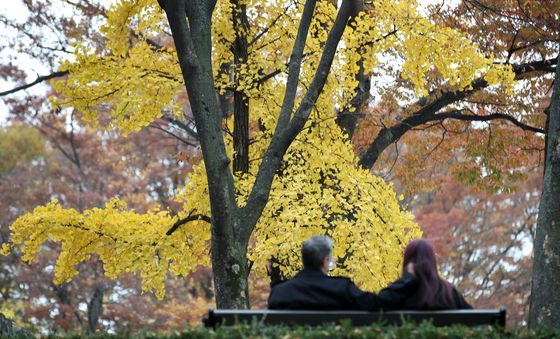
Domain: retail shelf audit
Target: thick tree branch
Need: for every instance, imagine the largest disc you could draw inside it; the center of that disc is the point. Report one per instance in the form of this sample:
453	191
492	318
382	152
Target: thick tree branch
269	76
316	87
347	119
271	160
431	104
295	66
240	52
546	65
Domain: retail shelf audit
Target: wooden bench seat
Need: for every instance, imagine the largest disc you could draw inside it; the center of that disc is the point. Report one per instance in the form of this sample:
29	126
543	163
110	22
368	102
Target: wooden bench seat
357	318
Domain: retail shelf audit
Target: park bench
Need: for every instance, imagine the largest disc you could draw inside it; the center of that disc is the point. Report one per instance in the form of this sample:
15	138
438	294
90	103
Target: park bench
357	318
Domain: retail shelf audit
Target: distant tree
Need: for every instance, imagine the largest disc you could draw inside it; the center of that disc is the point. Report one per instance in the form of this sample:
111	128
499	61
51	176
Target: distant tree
79	167
484	240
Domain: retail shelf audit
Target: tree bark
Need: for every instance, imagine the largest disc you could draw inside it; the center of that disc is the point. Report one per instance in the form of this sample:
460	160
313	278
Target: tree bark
94	308
241	102
8	329
288	127
545	299
194	48
346	119
226	99
62	293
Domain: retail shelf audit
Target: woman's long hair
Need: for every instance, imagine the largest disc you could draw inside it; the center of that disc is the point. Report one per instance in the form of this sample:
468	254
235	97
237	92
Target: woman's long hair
434	292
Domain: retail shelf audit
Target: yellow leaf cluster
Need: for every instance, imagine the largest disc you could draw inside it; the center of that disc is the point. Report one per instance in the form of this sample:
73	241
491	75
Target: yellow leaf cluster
130	78
395	30
121	239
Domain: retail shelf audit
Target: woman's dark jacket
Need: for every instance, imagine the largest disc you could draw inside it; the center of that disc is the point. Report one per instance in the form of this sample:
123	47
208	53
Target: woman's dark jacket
314	290
413	302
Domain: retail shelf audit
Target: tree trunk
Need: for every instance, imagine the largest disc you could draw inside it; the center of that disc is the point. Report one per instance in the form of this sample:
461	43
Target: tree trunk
62	293
545	299
229	259
230	271
226	99
229	236
348	120
8	329
94	309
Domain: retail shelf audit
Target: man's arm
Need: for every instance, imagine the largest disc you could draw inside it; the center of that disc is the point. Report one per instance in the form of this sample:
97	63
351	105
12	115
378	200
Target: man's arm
395	294
389	298
361	300
274	301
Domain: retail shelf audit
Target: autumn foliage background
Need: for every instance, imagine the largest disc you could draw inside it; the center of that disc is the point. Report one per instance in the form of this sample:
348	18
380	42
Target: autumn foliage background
472	187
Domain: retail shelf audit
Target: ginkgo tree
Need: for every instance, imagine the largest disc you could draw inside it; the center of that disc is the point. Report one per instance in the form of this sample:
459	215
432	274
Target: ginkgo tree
293	172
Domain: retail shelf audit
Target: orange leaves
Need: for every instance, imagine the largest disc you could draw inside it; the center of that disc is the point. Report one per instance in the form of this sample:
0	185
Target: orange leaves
182	157
483	240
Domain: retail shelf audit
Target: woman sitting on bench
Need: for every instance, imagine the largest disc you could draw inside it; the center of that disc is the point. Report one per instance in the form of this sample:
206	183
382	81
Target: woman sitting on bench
432	292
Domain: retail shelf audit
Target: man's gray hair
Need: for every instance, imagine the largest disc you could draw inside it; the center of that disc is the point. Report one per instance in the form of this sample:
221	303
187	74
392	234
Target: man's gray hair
314	250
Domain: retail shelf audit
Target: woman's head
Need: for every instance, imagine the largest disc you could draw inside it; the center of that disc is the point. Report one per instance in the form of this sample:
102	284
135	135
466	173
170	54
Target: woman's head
420	253
434	292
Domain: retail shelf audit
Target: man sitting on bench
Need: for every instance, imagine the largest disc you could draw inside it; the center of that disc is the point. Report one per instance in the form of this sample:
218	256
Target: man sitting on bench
313	289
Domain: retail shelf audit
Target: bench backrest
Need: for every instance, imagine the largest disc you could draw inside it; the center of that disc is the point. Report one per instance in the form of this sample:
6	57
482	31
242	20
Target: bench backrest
357	318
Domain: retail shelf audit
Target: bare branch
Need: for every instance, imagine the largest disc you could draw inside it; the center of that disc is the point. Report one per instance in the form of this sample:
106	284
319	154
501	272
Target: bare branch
266	29
37	81
455	114
181	125
178	137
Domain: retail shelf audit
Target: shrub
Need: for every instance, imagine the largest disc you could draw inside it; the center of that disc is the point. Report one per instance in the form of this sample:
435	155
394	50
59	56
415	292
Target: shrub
409	330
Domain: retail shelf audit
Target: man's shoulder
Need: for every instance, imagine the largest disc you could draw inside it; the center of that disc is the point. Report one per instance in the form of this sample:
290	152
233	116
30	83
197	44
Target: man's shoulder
335	282
307	277
317	276
339	278
281	283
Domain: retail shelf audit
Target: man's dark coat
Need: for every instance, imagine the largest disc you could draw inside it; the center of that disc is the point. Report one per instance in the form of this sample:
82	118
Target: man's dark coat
314	290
